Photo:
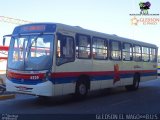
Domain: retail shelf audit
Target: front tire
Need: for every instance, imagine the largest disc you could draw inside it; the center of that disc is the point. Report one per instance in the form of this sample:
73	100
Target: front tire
81	90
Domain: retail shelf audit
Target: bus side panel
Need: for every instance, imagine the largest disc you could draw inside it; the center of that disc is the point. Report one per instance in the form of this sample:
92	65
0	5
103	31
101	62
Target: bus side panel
68	88
69	74
151	73
127	73
58	89
101	80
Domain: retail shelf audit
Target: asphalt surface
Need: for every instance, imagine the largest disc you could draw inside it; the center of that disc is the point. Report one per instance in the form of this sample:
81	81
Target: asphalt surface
116	100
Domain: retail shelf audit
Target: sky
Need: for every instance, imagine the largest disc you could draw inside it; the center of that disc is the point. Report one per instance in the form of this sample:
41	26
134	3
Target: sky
107	16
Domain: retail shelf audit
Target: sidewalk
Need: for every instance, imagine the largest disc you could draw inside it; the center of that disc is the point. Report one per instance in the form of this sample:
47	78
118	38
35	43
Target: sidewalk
7	96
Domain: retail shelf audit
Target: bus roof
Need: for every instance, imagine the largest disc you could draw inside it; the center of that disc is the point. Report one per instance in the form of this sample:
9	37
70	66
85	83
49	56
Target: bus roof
78	29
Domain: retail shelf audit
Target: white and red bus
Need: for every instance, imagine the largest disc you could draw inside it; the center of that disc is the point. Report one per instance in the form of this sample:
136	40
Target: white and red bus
52	59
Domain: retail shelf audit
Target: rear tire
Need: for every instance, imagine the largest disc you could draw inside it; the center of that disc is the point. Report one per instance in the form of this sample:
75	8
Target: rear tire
135	84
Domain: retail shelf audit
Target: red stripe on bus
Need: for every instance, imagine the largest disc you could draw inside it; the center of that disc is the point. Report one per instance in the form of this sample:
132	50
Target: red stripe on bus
73	74
25	76
76	74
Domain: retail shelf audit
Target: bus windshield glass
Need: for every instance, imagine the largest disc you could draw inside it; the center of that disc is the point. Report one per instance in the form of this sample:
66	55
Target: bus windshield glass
31	52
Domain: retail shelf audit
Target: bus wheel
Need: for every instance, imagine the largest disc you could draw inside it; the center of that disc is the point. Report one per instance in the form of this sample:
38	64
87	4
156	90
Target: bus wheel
81	89
135	84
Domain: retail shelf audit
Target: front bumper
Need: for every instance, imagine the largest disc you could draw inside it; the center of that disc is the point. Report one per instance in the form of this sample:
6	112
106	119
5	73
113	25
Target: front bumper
41	89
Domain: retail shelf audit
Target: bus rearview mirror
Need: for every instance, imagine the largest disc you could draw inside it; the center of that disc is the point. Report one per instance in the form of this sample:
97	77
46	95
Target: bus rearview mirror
4	41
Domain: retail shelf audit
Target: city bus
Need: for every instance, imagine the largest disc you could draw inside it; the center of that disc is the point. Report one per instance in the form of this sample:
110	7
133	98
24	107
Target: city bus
53	59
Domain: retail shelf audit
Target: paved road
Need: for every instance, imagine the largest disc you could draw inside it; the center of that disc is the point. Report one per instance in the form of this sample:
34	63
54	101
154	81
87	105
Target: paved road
117	100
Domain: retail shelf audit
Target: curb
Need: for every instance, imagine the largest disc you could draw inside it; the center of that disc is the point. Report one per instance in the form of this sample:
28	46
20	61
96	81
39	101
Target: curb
7	96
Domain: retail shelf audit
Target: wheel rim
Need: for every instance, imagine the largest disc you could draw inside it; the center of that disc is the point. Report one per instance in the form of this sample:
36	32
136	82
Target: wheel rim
82	89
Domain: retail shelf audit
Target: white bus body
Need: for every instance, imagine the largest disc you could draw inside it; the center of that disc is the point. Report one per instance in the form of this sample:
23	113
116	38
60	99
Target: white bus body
80	61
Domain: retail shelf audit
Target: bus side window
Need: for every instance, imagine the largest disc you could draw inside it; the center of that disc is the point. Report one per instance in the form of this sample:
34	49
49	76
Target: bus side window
115	50
65	49
127	52
83	46
99	48
145	54
137	53
153	55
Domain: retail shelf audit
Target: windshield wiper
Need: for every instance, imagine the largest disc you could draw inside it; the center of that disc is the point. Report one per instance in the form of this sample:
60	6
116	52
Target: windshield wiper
30	45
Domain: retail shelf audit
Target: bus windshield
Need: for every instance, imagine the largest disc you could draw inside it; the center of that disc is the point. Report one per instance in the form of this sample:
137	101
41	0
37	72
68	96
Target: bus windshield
31	52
